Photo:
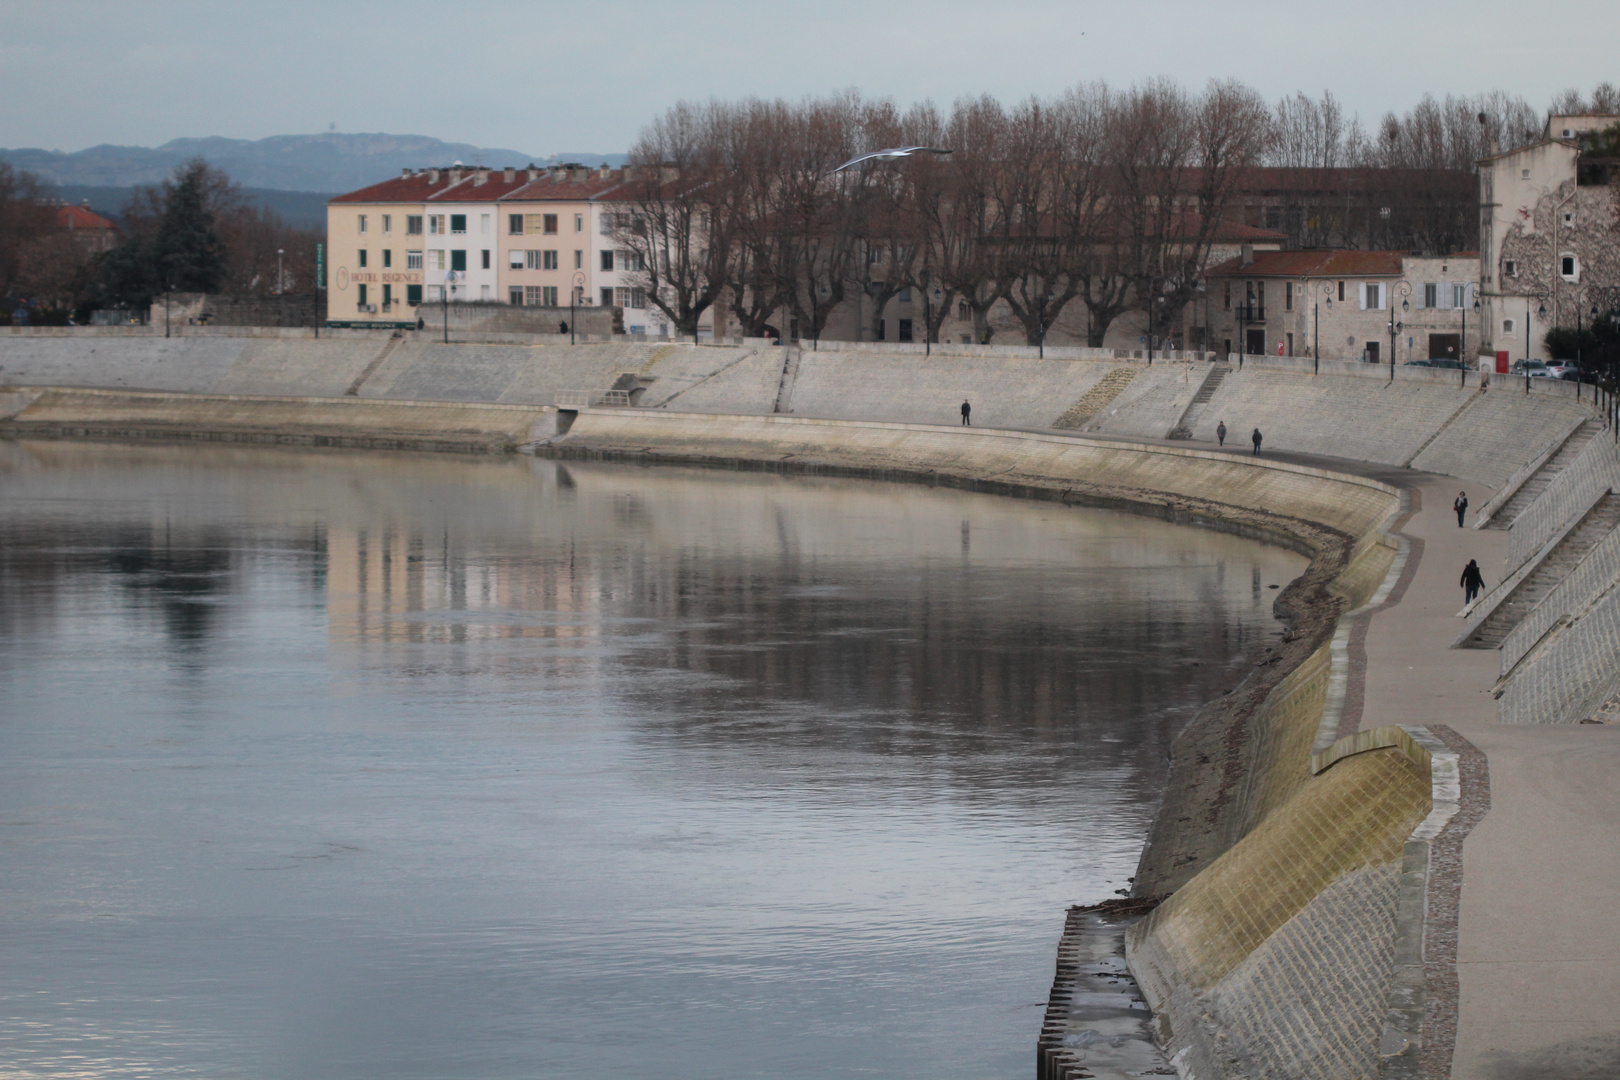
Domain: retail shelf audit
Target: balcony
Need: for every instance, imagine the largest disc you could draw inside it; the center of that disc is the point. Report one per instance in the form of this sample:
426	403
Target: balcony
1250	313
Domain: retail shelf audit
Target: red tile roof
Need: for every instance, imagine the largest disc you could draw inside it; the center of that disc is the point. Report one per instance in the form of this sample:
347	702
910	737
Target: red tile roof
495	186
402	189
583	187
80	217
1299	264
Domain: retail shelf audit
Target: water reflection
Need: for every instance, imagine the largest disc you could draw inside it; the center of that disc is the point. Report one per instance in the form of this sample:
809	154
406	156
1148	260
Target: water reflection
389	765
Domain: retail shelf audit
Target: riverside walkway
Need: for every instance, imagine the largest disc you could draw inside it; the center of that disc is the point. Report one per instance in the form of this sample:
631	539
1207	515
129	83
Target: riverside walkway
1538	949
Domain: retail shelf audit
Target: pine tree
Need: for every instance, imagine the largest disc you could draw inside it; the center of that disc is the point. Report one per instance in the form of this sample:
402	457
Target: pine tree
188	253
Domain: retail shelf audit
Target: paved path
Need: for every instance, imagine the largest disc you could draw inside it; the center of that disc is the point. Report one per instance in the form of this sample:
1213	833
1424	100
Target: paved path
1538	955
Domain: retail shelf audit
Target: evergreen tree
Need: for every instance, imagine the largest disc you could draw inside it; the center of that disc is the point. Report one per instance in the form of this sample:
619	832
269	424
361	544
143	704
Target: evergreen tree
188	253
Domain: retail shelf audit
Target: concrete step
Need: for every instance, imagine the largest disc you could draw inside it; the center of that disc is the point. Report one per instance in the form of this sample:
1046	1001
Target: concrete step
1195	408
1544	476
1598	523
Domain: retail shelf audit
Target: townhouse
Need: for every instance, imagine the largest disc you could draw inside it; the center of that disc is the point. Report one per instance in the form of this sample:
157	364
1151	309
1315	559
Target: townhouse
1343	305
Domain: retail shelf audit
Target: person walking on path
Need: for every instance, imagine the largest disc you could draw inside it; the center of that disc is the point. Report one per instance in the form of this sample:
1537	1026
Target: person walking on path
1220	433
1472	582
1256	437
1460	504
966	409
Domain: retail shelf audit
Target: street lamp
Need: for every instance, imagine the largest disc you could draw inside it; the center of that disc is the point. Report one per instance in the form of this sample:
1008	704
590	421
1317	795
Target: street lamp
574	299
449	286
280	281
1402	289
1316	327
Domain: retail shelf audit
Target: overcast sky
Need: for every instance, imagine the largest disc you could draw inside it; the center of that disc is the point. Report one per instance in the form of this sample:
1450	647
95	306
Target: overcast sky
543	77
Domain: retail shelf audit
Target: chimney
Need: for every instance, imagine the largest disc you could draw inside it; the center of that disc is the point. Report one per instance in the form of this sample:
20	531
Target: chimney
1248	254
433	176
556	173
605	171
405	174
508	174
480	176
455	176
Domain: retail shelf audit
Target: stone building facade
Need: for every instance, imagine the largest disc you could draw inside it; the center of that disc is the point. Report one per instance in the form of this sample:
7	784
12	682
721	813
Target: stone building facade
1549	241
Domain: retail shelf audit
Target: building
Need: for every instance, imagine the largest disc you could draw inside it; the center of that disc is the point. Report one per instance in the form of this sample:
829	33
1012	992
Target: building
1338	305
462	238
547	246
374	250
1548	232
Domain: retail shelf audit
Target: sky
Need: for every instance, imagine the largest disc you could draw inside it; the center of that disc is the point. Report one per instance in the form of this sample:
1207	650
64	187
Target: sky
544	77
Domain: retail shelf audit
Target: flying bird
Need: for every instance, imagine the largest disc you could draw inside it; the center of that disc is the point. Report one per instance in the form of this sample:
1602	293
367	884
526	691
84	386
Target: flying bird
893	153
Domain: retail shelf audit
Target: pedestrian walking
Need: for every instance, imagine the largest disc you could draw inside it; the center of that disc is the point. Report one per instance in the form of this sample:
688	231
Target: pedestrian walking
966	409
1472	582
1255	438
1220	433
421	323
1460	504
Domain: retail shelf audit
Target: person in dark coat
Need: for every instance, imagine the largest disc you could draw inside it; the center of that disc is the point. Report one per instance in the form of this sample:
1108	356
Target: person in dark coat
1220	433
421	323
1472	582
1460	504
1255	438
966	409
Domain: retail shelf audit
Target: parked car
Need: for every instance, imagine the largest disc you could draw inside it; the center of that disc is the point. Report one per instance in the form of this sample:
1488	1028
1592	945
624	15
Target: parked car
1442	362
1418	363
1563	369
1537	369
1587	375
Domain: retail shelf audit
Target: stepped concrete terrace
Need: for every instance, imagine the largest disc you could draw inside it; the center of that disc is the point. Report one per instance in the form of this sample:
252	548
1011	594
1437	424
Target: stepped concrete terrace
1485	946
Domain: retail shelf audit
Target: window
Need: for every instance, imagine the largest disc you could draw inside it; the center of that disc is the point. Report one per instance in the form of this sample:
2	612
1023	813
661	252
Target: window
883	329
1459	296
362	223
579	222
964	313
1288	302
1290	344
550	224
607	297
514	259
514	295
388	258
1507	326
1568	268
388	296
1524	174
483	224
904	296
607	260
1372	296
1569	219
548	295
532	296
436	260
413	260
905	330
579	260
458	260
548	260
413	225
362	258
486	292
413	295
388	225
630	260
362	297
1341	291
1510	268
629	298
514	224
458	224
1431	294
1228	294
436	224
638	298
483	262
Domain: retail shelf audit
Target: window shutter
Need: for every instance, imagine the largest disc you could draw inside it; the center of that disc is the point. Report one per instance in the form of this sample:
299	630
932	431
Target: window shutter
1364	289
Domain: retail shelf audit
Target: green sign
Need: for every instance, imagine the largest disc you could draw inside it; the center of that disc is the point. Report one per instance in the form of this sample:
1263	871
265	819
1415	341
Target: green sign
320	266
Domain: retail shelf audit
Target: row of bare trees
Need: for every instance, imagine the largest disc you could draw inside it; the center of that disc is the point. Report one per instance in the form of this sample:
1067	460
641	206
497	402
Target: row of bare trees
1098	196
1106	198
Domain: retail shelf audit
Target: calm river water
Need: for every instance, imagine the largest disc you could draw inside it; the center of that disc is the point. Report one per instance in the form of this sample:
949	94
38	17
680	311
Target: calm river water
324	765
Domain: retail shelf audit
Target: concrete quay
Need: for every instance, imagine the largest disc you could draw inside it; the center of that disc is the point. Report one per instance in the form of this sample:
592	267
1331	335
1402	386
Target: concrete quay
1371	873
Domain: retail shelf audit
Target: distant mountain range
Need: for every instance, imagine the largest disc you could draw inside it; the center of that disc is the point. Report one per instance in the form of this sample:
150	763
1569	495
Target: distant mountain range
327	164
303	209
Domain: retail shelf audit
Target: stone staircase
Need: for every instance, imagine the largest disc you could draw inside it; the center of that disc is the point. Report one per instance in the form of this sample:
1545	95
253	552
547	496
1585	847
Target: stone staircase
1097	398
1534	486
1212	383
1599	521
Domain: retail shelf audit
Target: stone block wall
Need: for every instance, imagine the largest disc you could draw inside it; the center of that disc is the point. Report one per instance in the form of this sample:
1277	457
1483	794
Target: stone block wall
1595	470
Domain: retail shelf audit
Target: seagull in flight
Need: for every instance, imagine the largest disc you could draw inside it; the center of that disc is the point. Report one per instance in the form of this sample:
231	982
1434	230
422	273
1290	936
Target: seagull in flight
893	153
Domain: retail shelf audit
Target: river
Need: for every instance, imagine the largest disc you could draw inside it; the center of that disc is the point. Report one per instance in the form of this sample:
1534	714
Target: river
368	765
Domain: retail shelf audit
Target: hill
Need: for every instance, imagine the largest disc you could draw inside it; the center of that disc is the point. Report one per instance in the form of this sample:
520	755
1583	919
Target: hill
328	163
301	209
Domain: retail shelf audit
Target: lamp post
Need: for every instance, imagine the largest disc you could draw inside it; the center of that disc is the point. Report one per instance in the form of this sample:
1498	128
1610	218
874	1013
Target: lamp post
1542	312
1316	327
574	299
280	287
1402	289
449	284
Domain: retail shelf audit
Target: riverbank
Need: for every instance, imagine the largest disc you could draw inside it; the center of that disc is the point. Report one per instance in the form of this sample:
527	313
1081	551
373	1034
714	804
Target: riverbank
1313	831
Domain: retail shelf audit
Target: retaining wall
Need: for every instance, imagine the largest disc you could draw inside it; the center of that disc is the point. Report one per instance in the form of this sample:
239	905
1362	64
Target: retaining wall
1594	470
